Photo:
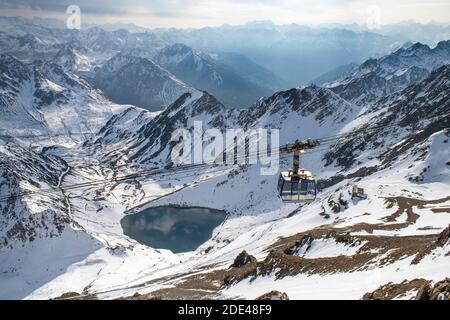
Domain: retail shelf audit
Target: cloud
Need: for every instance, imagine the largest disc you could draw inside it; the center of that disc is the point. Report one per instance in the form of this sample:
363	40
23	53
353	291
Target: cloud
198	13
100	7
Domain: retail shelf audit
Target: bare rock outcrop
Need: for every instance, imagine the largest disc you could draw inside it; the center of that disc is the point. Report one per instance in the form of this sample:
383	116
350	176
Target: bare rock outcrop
243	259
273	295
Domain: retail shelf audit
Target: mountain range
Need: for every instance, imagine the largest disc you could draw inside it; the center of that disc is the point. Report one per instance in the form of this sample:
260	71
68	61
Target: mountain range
380	77
87	120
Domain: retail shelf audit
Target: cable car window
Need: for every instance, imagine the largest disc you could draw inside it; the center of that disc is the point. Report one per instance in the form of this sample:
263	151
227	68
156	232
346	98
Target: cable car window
304	187
287	188
295	190
311	187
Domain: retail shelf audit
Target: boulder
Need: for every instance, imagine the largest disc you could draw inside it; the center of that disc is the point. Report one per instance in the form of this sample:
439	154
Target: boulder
242	259
274	295
441	290
424	292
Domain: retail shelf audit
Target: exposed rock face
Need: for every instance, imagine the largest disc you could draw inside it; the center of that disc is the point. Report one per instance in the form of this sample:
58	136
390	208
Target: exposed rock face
134	80
273	295
444	238
322	105
25	219
149	138
202	72
305	241
424	292
242	259
40	98
410	107
397	290
440	291
75	296
376	78
243	266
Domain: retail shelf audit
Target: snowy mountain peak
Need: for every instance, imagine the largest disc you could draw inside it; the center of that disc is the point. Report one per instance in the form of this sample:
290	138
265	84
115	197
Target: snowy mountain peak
203	72
177	48
419	55
150	136
294	99
194	104
443	45
418	48
307	110
394	72
178	53
12	68
42	97
73	57
130	79
31	42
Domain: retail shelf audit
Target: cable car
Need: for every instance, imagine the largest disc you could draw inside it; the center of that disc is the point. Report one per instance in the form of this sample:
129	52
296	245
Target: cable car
298	185
297	188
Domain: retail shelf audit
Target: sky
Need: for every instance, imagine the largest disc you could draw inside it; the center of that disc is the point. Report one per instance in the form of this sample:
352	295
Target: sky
201	13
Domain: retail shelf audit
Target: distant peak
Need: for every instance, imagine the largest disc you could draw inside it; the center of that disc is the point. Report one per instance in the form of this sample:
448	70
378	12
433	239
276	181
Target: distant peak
443	45
407	45
96	30
178	48
121	56
261	23
124	59
312	86
369	63
8	60
310	89
419	46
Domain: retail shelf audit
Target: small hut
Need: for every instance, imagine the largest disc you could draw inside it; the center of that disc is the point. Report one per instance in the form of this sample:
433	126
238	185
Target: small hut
358	193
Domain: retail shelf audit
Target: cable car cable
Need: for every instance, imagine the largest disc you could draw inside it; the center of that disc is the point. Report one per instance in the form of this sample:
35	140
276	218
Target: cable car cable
327	140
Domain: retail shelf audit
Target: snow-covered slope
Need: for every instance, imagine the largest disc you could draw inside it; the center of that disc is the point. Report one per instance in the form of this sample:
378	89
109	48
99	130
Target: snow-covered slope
41	239
134	80
388	231
413	155
424	105
205	73
42	98
376	78
74	58
34	230
25	171
148	137
300	113
70	240
391	236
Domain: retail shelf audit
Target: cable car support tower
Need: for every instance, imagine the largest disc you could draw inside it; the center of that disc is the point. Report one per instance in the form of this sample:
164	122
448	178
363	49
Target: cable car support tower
297	148
298	185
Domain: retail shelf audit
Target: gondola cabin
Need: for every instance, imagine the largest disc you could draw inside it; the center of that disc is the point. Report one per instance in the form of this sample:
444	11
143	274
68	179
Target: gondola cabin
298	185
297	188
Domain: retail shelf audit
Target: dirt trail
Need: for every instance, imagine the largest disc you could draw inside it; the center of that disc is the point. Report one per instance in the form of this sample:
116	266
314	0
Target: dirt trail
407	204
